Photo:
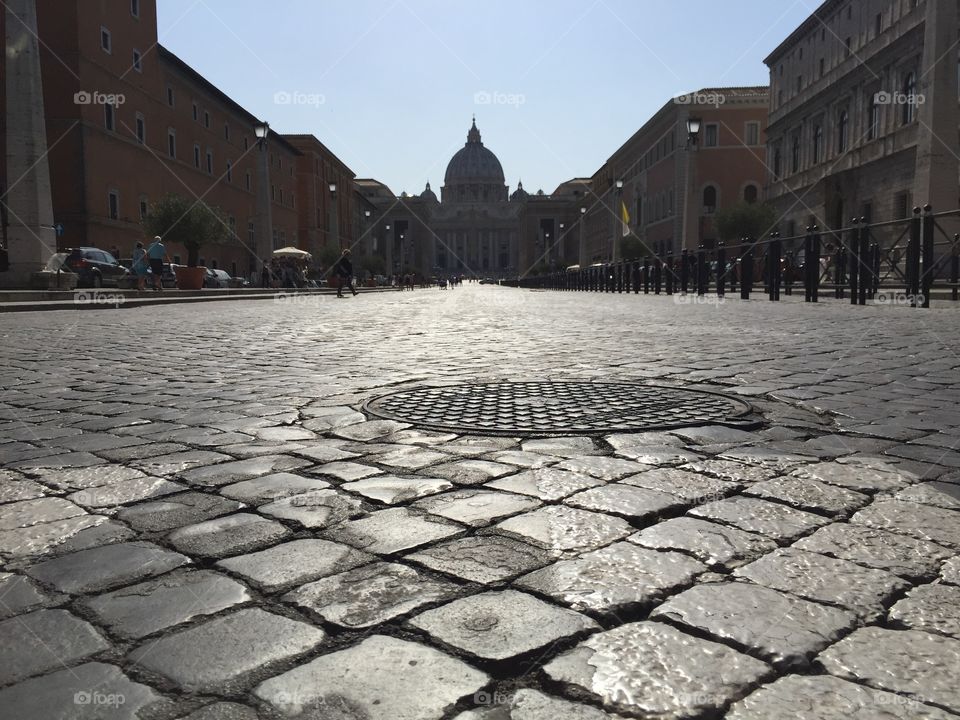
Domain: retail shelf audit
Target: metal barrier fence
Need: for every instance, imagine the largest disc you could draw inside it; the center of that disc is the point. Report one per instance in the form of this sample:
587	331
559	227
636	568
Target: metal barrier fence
901	261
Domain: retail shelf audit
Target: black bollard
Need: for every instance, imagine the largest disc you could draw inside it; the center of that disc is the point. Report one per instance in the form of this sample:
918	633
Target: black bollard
746	270
929	229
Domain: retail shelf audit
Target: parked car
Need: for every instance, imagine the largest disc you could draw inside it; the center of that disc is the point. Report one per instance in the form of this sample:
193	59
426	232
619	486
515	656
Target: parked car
216	278
95	267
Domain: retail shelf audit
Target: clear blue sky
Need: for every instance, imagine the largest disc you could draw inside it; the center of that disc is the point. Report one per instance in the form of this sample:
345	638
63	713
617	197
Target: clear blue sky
390	85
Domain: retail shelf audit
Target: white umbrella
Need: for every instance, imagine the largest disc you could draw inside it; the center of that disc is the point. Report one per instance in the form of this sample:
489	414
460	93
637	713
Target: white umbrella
292	252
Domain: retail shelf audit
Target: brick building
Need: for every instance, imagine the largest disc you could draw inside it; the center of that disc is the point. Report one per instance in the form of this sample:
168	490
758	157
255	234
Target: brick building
127	122
672	187
863	113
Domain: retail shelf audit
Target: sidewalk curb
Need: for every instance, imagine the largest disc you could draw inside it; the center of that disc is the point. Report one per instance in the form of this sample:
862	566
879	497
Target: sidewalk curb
136	301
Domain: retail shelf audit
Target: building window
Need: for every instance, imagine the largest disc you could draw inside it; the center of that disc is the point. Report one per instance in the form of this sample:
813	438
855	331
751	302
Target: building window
795	154
170	98
196	156
752	133
709	200
777	163
141	129
909	97
878	24
209	161
873	118
843	132
226	131
246	143
135	8
137	60
144	207
229	171
196	112
847	47
817	144
172	143
106	40
902	206
109	117
113	204
823	67
273	192
251	233
712	135
206	119
799	83
750	194
247	180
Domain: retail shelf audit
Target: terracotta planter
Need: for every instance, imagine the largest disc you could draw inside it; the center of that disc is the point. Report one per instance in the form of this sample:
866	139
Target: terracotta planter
190	278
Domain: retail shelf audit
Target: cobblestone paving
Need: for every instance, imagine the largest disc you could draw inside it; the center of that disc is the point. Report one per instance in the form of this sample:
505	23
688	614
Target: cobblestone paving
196	520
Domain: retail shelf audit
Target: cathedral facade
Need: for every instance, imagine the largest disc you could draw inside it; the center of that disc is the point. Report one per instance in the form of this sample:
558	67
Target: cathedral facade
476	227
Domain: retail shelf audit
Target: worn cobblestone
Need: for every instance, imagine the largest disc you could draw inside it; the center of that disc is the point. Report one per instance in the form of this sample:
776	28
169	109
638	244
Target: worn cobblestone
852	464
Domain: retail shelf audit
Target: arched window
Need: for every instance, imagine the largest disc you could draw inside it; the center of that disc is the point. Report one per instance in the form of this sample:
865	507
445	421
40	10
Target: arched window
709	199
818	144
909	97
795	154
750	193
843	131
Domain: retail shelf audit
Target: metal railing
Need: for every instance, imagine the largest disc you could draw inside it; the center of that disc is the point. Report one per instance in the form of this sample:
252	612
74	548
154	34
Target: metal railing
908	259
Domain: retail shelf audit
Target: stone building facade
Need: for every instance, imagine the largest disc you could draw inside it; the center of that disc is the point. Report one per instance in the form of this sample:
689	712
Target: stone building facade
863	113
476	227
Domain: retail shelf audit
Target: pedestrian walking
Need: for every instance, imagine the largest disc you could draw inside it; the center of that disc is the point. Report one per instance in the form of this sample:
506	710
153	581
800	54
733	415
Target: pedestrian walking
157	254
140	266
344	272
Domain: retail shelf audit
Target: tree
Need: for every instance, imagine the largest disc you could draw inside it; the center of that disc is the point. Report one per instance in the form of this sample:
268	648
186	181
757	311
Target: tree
751	220
191	223
327	256
373	264
632	248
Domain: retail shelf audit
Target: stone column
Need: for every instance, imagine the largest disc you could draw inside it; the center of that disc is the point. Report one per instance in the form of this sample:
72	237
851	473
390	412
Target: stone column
30	234
937	179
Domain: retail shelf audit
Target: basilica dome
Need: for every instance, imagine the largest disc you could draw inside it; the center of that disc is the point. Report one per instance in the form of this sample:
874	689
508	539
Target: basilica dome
474	173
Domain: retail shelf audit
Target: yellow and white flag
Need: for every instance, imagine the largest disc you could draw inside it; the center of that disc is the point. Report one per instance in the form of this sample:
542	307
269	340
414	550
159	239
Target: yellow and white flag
625	218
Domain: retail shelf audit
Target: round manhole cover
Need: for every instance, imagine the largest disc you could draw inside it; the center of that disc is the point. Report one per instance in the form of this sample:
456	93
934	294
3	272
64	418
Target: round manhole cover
557	408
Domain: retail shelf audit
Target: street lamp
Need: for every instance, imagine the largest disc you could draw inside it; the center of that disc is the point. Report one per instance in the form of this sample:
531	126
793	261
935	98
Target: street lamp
582	259
261	130
264	223
615	246
336	214
693	134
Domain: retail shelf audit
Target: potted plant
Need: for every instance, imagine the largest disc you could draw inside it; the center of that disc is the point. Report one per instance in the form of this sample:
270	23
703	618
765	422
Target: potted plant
193	224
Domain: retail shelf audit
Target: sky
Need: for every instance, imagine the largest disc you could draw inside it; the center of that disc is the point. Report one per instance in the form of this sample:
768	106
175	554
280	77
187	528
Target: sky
390	86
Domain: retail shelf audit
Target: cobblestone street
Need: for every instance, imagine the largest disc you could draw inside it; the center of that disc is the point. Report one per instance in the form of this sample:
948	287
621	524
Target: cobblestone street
197	520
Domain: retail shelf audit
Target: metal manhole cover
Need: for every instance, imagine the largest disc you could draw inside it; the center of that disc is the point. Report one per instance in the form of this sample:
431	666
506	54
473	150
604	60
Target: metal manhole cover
557	408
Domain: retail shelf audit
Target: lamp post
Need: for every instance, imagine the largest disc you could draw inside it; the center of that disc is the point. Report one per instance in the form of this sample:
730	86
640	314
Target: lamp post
263	239
366	227
693	134
336	214
583	248
562	241
388	249
615	246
